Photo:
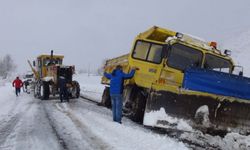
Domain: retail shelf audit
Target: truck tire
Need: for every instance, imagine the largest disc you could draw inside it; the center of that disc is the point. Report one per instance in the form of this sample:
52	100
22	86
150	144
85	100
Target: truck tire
44	90
76	90
138	105
106	99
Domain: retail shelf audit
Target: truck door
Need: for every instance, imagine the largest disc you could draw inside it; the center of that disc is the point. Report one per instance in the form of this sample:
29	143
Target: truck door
180	57
148	57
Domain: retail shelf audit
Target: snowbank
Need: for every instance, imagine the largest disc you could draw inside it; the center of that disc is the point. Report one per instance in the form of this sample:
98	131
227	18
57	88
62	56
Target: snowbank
152	118
91	86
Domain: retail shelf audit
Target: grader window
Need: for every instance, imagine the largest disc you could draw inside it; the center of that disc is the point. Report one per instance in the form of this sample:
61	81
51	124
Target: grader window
148	52
48	61
182	57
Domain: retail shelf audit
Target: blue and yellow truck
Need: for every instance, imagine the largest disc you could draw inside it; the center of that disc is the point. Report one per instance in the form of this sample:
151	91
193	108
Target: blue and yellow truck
184	77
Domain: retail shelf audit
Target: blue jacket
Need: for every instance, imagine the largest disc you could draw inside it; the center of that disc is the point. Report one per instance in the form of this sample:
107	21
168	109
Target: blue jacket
116	80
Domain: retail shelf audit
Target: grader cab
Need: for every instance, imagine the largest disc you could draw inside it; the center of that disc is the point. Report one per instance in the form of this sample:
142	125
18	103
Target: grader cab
48	69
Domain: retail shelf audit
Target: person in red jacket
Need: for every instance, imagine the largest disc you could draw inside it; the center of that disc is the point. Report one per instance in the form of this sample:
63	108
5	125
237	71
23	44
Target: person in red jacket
17	83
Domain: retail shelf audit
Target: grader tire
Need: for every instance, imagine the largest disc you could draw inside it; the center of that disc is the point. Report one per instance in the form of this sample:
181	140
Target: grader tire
44	91
76	90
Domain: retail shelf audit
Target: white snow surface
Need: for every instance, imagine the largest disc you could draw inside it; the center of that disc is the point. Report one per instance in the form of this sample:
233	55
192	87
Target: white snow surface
91	86
27	123
152	117
231	141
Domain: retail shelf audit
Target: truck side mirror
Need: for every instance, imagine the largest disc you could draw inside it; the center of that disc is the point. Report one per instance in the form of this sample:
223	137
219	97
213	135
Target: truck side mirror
228	52
241	73
238	70
34	63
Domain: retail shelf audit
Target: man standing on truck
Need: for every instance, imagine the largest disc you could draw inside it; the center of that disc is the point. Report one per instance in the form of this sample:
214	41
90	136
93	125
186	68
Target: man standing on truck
17	83
116	88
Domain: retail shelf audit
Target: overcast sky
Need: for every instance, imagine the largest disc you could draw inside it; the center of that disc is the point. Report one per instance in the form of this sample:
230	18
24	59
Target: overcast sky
88	31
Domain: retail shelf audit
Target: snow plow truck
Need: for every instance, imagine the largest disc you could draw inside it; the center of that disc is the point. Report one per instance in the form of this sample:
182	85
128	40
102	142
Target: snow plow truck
183	77
48	69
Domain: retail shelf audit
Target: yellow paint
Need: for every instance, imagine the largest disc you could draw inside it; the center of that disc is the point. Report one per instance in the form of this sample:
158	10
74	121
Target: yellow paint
160	76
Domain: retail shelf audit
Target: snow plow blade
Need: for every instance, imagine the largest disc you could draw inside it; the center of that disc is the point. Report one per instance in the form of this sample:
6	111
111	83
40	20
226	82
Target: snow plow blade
224	115
208	100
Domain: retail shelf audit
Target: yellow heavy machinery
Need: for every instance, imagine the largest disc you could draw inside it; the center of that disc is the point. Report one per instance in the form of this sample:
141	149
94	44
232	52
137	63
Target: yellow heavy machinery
48	69
184	77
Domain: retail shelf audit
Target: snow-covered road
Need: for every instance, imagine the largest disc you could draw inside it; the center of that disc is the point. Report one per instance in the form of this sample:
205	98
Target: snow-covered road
27	124
24	124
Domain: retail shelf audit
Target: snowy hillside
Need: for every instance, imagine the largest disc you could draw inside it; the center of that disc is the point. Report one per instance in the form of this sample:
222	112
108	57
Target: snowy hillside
239	43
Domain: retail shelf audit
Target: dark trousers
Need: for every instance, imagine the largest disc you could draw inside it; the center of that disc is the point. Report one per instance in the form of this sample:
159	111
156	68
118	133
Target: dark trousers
64	94
18	91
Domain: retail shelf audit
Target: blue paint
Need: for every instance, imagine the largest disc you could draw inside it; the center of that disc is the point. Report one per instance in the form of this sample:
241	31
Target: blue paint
217	83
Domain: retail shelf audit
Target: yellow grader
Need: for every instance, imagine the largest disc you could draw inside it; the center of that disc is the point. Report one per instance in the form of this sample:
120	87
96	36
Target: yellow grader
184	77
47	70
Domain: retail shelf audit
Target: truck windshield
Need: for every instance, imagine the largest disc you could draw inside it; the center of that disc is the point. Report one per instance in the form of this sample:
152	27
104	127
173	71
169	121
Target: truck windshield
216	63
182	57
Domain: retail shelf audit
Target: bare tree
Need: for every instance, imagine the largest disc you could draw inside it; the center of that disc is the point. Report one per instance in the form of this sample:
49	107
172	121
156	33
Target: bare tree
7	66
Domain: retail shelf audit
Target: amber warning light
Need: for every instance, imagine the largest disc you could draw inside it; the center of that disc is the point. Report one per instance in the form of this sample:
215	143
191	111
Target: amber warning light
213	44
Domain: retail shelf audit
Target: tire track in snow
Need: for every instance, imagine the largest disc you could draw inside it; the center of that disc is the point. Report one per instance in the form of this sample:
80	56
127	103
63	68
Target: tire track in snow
53	127
200	142
94	142
8	125
7	128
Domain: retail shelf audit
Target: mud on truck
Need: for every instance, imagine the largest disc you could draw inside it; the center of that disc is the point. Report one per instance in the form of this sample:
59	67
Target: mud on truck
47	69
184	77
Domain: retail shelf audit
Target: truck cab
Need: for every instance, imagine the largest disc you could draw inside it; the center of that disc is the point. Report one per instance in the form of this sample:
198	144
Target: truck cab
163	58
178	76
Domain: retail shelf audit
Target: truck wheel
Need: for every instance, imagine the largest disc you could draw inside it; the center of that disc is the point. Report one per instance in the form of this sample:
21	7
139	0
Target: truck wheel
76	89
106	99
138	105
44	91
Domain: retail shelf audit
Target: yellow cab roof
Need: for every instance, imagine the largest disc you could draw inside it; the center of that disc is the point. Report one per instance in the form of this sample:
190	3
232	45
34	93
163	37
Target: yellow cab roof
48	56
